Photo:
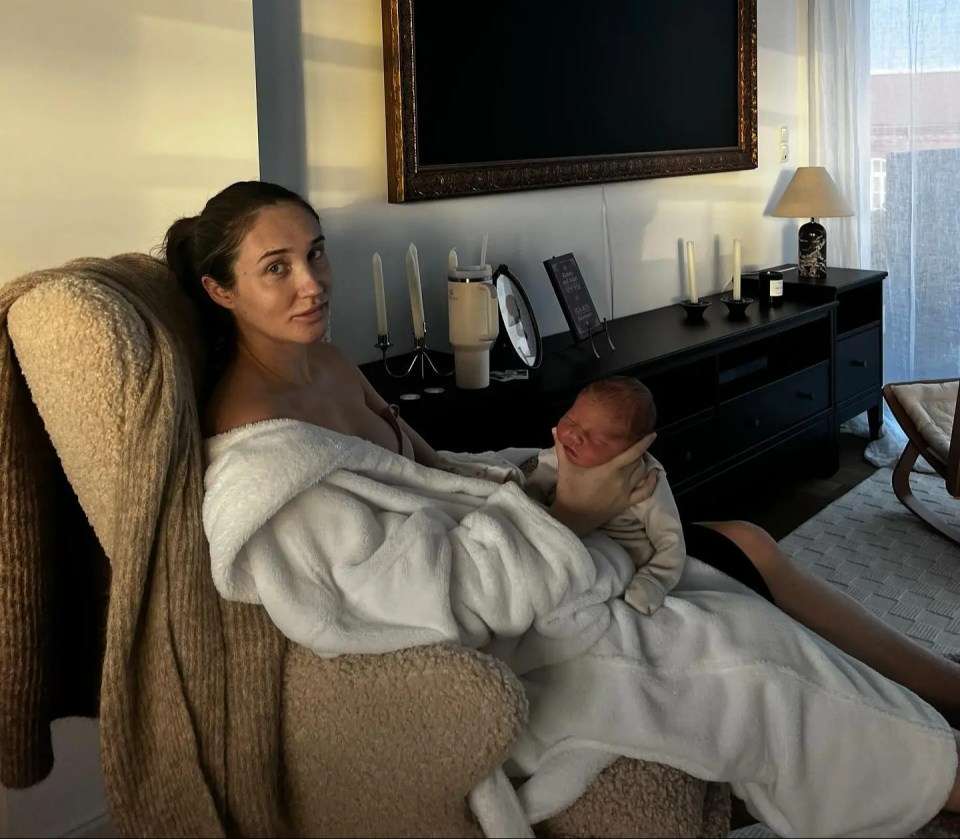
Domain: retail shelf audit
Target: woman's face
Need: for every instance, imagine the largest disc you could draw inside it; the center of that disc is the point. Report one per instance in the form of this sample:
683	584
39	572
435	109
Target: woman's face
283	277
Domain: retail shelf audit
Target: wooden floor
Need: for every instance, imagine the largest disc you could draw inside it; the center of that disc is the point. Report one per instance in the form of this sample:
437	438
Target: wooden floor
781	508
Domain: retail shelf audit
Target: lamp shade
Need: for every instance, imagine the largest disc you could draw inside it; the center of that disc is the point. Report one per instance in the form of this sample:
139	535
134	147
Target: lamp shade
811	193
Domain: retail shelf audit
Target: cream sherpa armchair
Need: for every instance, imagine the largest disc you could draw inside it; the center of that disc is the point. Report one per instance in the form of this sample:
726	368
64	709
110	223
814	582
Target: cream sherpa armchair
211	723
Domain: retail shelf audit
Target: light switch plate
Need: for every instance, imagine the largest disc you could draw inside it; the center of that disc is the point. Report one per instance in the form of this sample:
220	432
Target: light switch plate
784	152
784	134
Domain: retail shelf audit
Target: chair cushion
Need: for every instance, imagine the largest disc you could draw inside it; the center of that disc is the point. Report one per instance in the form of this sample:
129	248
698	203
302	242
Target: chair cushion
931	406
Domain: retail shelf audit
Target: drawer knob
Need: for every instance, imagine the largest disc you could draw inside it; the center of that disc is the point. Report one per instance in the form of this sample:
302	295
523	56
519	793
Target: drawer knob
803	394
753	423
856	362
688	456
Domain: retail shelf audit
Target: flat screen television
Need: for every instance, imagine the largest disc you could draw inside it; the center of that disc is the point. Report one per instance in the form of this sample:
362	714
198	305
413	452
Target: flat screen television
498	95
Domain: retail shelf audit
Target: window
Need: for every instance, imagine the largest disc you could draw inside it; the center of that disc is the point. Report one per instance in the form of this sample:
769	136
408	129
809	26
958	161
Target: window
915	181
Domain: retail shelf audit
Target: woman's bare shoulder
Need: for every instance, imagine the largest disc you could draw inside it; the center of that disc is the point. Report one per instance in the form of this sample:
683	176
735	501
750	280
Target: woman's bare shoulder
238	401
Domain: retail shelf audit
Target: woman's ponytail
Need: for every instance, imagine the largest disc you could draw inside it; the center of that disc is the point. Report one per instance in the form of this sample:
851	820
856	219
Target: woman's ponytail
216	323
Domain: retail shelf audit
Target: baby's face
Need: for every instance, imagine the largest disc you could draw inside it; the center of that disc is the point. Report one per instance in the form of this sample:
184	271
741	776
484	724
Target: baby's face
590	434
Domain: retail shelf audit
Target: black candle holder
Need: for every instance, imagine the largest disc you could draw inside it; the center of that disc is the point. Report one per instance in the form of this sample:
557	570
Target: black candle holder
736	309
695	310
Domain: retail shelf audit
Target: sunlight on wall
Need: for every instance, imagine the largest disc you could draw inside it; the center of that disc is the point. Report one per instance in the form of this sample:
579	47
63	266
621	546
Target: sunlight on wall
128	115
343	77
118	117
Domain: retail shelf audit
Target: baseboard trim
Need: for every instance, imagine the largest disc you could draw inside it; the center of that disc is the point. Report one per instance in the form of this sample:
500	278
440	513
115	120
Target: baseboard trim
94	828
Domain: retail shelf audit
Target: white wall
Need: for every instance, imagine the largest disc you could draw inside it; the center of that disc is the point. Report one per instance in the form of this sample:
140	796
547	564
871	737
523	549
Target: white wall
645	220
117	117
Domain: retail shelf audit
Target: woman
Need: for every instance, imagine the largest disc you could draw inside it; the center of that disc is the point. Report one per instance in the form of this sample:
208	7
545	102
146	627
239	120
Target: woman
255	265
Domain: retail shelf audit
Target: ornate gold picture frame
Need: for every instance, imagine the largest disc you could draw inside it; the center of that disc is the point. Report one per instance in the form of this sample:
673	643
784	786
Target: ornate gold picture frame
411	179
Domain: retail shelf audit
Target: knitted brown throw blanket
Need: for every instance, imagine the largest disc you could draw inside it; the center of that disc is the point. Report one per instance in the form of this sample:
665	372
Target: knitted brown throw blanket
52	589
172	650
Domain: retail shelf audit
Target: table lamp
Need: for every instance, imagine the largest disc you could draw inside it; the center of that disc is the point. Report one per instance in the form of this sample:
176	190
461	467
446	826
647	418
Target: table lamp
812	194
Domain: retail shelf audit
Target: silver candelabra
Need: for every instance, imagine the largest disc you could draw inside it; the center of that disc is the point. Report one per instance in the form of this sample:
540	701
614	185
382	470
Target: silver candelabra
420	353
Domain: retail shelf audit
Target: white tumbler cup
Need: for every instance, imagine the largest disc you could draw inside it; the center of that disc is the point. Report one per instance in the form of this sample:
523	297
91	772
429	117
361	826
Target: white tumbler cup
474	323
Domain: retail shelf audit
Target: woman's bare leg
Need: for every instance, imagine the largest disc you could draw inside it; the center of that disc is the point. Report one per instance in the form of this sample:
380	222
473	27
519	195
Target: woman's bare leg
845	623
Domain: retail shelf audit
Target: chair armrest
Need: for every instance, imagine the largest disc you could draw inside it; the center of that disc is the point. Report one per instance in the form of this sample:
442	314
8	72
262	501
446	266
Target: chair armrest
391	744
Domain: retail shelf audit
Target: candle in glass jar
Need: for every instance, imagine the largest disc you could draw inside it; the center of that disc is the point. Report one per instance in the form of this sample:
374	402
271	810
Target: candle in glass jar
736	269
378	291
691	274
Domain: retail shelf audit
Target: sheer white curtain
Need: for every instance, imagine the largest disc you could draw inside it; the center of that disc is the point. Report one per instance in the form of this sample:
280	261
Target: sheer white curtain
891	138
838	77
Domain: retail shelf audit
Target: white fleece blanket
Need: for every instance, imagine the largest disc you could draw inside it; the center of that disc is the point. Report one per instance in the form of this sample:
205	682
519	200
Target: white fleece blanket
353	549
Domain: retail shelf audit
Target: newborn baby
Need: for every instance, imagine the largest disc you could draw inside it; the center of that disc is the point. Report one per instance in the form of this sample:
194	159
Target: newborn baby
607	417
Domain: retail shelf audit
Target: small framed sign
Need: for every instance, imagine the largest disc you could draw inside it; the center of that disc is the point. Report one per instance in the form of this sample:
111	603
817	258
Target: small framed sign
574	296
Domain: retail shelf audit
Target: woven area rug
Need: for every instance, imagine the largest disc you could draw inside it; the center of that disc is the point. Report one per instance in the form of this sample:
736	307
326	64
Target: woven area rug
870	546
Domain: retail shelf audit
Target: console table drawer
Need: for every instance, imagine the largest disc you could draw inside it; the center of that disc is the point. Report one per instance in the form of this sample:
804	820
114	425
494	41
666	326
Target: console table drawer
687	452
757	416
858	363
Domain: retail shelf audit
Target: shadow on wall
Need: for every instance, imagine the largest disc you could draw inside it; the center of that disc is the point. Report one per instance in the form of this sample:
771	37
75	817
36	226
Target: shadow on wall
281	112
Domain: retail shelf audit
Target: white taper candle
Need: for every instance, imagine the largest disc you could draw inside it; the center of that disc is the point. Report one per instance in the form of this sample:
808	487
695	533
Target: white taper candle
416	292
691	274
736	269
378	291
452	261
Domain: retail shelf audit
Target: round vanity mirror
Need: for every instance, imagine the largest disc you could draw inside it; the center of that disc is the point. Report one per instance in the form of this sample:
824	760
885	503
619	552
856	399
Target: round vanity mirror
519	339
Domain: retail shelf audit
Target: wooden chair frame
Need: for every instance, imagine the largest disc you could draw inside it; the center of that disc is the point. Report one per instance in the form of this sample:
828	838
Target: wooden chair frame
948	469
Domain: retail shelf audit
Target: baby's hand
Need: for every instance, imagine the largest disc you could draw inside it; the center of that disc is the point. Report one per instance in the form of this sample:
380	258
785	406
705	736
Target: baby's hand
644	594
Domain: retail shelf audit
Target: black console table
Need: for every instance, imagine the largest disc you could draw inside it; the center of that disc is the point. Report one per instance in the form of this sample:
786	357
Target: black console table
859	335
737	401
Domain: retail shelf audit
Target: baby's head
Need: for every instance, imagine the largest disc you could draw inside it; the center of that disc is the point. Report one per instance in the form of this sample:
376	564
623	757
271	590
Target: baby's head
607	417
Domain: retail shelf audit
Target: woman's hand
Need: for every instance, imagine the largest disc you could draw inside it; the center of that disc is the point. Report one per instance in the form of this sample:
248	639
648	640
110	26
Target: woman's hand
588	497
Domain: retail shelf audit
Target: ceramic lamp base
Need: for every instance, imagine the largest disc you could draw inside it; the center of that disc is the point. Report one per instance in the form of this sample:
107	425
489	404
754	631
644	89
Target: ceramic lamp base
812	251
736	309
695	311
